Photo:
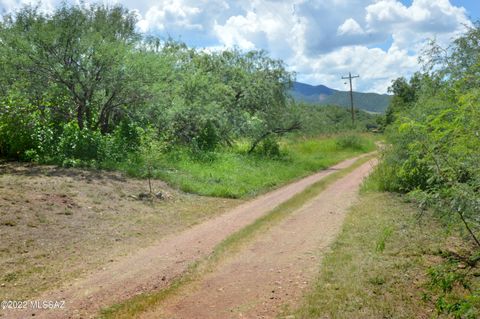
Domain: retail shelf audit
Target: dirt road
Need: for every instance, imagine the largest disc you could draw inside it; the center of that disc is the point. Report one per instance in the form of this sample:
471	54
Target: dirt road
155	267
274	270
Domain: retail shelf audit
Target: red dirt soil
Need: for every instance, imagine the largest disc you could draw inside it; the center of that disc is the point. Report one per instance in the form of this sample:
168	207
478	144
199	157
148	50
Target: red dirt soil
276	268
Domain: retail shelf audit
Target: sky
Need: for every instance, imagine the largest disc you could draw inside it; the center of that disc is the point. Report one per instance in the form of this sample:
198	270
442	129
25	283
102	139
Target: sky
319	40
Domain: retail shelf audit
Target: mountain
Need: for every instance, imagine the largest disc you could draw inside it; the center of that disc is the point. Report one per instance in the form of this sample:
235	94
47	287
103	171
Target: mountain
320	94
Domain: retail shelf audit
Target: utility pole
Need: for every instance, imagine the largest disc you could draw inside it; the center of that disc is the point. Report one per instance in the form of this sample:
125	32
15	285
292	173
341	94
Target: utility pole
350	77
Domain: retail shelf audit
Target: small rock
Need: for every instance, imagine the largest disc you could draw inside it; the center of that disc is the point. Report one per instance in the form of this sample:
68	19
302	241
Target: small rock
164	278
163	195
142	196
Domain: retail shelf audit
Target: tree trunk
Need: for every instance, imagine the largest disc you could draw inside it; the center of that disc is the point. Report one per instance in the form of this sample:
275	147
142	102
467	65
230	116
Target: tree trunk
80	115
257	141
279	131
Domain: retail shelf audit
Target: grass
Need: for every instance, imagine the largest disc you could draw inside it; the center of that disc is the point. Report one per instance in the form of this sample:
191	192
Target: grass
58	224
235	174
143	302
44	211
379	265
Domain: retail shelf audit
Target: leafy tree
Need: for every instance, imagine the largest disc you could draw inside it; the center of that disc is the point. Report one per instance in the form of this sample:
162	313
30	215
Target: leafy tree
80	55
82	75
405	94
435	137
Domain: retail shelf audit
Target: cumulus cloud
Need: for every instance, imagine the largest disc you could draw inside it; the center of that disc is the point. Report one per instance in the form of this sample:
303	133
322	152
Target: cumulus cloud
422	19
350	27
319	39
265	25
171	13
375	66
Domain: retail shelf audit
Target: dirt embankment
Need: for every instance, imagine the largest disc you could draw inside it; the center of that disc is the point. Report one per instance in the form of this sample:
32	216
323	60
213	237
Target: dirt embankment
58	224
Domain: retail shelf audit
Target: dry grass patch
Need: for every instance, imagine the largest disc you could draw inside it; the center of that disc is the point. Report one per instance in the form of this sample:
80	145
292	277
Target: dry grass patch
378	266
57	224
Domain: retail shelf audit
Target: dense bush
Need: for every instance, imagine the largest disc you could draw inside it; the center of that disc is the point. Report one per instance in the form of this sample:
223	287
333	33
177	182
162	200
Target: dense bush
433	154
269	147
434	150
351	141
79	84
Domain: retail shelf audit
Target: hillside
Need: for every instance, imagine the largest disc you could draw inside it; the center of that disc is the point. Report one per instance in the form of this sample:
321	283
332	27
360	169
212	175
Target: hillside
323	95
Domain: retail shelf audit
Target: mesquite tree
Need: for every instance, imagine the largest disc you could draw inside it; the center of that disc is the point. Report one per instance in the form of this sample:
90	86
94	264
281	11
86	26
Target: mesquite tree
81	55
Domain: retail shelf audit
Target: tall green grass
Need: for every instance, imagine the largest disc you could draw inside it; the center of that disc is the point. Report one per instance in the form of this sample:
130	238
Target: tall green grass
232	172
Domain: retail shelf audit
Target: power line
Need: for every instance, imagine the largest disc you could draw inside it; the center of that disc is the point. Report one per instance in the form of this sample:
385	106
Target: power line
350	77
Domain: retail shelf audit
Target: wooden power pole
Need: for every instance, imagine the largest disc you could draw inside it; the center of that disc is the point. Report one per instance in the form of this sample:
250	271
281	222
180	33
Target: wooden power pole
350	77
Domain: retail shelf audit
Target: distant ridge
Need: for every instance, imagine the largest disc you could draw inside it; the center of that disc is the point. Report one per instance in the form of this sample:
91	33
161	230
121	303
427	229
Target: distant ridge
323	95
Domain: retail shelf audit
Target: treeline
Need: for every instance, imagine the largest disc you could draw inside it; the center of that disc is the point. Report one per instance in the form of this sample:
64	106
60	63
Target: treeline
81	83
80	86
433	153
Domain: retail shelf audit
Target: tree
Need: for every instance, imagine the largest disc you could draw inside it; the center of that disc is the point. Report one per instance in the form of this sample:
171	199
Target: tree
82	55
260	90
405	94
435	142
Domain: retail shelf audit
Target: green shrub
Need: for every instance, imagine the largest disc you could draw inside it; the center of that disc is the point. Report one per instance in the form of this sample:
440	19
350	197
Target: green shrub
208	137
124	140
269	147
77	144
18	120
450	288
354	142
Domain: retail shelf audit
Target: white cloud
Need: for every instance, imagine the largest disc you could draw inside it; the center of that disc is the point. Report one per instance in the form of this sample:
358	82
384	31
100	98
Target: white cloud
170	13
375	66
350	27
423	19
237	30
264	25
320	39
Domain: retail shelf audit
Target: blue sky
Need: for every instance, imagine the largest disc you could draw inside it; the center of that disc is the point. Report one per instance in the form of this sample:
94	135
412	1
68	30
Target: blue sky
320	40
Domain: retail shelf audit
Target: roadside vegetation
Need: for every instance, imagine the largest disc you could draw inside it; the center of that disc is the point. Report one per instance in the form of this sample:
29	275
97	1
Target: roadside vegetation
433	156
418	259
235	173
390	261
